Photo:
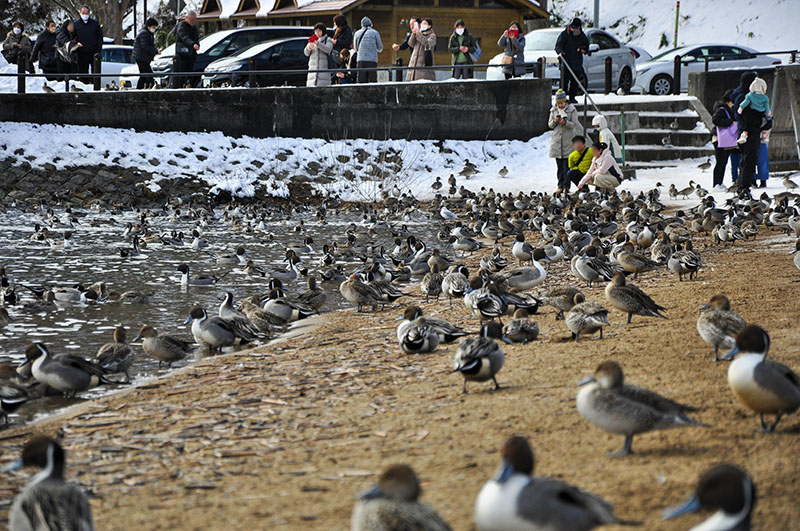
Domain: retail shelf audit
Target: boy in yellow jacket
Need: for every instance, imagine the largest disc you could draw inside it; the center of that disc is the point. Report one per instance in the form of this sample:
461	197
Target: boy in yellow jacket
579	161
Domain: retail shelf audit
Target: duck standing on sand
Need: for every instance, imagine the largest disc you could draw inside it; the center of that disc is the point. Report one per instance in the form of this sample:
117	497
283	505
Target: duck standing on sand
479	359
355	291
615	407
630	299
561	298
162	347
718	324
431	284
117	356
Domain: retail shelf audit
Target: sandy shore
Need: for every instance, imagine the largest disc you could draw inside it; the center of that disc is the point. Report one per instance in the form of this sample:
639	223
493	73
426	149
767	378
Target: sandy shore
285	435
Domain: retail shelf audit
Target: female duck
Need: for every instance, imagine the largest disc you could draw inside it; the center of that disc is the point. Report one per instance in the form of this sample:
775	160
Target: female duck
631	299
479	359
718	324
455	283
561	298
586	317
521	329
162	347
117	356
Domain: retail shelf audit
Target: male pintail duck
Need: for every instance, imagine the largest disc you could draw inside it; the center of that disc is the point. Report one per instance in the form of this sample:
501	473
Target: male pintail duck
726	489
66	373
521	329
48	501
456	283
765	386
561	298
117	356
215	332
286	309
514	499
718	324
75	295
412	318
394	504
630	299
162	347
685	261
522	250
586	317
615	407
431	284
479	359
589	268
183	269
522	278
125	252
238	258
9	404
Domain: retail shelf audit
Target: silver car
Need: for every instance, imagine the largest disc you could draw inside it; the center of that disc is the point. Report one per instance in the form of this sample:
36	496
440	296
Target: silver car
542	43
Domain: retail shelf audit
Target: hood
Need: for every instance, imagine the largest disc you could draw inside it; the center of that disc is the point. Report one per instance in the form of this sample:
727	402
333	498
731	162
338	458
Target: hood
600	122
746	79
759	86
366	22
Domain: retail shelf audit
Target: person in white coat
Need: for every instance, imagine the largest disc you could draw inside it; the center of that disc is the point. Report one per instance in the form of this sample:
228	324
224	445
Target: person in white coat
600	124
318	50
604	172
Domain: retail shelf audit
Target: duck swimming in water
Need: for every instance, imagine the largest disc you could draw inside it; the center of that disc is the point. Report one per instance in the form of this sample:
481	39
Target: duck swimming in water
718	324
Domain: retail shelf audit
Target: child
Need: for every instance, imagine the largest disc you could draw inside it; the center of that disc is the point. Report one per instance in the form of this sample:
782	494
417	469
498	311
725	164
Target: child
579	162
756	103
605	136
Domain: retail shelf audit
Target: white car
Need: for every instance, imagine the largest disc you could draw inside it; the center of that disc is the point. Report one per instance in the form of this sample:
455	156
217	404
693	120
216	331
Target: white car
656	75
115	57
641	54
542	43
129	76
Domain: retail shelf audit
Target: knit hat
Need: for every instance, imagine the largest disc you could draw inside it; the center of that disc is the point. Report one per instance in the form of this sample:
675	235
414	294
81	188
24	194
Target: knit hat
758	86
561	95
576	23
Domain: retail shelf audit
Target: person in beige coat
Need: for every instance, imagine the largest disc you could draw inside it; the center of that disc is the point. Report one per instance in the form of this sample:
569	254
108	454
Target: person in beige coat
422	40
317	50
565	125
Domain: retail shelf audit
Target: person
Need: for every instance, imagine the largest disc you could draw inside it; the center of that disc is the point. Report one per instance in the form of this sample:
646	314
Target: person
67	45
413	24
44	51
737	95
90	35
603	172
144	50
565	125
754	110
342	37
345	76
724	139
462	45
318	50
579	162
17	43
423	43
513	41
606	136
186	45
571	44
367	43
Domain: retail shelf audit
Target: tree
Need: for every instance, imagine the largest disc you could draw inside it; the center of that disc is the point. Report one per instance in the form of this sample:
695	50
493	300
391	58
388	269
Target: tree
32	13
109	13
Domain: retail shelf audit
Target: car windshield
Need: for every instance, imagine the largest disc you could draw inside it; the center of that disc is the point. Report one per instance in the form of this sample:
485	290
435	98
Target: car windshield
670	55
205	43
253	50
541	40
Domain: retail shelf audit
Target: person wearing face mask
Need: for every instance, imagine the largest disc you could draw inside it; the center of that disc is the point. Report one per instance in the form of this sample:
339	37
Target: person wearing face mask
187	44
44	51
318	50
67	43
90	35
144	50
16	44
571	45
423	41
462	45
342	37
513	42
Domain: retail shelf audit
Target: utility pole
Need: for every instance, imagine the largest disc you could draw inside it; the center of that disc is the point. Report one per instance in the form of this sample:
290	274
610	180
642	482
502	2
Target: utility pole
596	22
677	19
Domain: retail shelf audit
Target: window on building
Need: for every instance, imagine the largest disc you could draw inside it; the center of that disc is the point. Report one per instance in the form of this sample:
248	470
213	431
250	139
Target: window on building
456	3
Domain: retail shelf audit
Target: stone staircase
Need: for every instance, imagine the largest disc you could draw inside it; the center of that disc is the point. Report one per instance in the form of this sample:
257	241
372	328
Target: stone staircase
681	121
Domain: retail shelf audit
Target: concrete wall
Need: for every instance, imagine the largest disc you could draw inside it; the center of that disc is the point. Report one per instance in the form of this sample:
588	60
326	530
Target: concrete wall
512	109
783	88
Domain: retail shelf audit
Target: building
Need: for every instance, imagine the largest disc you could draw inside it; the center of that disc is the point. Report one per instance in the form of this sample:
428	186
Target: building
486	19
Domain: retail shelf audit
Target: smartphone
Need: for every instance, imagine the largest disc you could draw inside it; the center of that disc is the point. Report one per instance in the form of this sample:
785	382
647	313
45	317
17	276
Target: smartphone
313	38
513	33
415	26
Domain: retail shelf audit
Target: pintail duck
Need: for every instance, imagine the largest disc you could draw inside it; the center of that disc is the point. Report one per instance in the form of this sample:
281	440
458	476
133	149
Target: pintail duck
126	252
12	396
129	297
262	319
522	250
446	331
586	317
479	359
765	386
415	334
238	258
183	269
726	489
355	291
684	262
286	309
718	324
796	254
48	501
291	272
304	247
431	284
163	347
615	407
633	262
65	373
215	332
465	244
521	329
456	283
630	299
484	302
313	297
116	357
394	504
78	295
590	269
515	499
521	279
436	258
561	298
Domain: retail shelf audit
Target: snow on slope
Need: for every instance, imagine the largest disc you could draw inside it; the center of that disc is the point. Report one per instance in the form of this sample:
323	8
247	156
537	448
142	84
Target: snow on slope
765	25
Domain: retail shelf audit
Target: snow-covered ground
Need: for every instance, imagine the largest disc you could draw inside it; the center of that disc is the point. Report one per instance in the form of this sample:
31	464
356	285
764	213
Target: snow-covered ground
357	170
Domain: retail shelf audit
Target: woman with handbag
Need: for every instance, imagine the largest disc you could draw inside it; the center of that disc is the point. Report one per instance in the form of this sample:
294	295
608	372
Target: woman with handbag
724	138
44	51
423	42
513	41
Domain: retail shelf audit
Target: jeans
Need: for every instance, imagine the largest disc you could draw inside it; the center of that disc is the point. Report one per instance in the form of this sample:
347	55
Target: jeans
736	163
144	82
562	167
370	76
183	63
462	71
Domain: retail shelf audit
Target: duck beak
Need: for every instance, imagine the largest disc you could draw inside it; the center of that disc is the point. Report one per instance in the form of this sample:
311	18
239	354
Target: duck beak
587	380
692	505
703	307
137	338
16	465
371	494
189	320
731	354
504	472
792	252
507	341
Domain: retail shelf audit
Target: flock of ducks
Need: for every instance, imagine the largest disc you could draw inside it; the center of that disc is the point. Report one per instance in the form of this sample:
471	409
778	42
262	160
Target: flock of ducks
611	239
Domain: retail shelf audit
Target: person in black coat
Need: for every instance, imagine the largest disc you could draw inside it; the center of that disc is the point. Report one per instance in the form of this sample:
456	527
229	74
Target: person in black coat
572	43
737	95
144	50
186	45
724	141
45	51
343	36
90	35
68	42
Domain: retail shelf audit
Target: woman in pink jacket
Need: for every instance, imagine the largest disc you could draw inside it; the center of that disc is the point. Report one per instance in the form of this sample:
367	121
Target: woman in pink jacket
604	172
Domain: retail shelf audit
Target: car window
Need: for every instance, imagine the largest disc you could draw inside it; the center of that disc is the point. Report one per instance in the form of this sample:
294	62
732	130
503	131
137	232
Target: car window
604	41
731	53
292	51
115	56
243	40
701	53
218	48
541	40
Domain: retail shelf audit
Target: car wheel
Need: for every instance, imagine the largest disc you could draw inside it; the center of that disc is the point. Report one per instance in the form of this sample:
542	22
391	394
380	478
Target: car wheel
626	80
661	85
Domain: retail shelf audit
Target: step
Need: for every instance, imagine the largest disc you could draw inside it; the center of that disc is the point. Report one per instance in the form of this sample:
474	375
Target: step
649	165
649	153
684	121
676	138
640	103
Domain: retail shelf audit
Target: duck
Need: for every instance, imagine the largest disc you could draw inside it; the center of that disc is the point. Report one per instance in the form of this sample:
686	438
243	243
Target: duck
766	387
515	499
129	297
431	284
589	268
633	262
616	407
586	317
393	503
355	291
718	325
261	319
684	262
216	332
285	309
48	501
415	335
522	278
521	329
183	269
465	244
162	347
561	298
9	404
304	247
630	299
455	283
313	297
479	359
126	252
238	258
117	356
446	331
65	373
484	302
522	250
291	272
726	489
796	254
77	295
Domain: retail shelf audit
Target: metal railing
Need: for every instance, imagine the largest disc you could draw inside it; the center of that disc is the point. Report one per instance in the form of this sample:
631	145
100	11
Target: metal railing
678	63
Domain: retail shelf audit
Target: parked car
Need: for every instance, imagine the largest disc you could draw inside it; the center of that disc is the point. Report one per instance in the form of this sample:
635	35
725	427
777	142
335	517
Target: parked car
226	43
115	57
277	55
640	53
542	43
656	75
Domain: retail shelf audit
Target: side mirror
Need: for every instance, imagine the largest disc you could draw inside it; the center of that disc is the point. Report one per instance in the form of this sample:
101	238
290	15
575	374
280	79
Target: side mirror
594	48
686	59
